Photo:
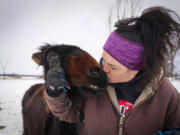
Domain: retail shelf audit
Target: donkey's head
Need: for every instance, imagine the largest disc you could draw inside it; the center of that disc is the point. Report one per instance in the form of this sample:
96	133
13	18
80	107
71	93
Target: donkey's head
82	70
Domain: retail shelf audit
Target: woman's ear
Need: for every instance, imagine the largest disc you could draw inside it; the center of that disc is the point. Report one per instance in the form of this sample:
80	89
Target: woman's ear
37	57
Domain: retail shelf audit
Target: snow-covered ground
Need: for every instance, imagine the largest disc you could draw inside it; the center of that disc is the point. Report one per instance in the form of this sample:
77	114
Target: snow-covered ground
11	93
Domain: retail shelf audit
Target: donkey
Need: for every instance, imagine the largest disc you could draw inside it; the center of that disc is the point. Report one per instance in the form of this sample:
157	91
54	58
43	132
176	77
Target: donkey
83	73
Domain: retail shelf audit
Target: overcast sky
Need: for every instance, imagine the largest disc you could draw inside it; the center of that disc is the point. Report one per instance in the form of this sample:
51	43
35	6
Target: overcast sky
27	24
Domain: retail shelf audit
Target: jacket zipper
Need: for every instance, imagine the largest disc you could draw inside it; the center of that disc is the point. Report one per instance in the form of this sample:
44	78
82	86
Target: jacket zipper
123	116
121	124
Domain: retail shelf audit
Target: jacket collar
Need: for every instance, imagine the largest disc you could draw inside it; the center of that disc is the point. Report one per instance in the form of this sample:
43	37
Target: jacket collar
146	93
113	98
143	96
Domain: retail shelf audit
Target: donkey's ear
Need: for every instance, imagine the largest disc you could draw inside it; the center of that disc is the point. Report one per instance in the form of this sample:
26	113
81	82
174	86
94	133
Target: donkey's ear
37	57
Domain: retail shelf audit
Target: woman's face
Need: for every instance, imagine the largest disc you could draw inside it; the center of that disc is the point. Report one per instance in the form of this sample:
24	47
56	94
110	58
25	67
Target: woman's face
115	71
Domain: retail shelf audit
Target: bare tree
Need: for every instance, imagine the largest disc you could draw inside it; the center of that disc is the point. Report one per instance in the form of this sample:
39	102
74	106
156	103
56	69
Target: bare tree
170	66
3	68
110	19
122	9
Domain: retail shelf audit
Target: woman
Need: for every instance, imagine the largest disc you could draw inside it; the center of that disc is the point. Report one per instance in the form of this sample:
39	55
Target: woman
139	99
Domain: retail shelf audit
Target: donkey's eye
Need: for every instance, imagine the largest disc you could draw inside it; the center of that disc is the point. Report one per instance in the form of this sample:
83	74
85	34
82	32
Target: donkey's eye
53	60
50	56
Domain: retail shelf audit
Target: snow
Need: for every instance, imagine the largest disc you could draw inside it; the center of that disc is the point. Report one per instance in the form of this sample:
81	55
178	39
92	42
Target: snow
176	85
11	93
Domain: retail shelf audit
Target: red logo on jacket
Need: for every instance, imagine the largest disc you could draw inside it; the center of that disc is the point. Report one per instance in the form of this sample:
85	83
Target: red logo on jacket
124	106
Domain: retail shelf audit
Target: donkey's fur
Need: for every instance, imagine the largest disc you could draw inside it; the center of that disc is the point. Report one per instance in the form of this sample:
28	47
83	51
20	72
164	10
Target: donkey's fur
82	72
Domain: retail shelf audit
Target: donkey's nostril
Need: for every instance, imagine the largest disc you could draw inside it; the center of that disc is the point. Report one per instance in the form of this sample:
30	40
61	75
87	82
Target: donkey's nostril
95	72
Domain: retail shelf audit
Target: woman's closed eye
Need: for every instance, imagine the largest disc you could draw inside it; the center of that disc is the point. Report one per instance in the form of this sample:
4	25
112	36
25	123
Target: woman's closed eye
113	68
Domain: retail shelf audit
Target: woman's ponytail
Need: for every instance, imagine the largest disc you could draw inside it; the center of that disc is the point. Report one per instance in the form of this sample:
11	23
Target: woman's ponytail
158	30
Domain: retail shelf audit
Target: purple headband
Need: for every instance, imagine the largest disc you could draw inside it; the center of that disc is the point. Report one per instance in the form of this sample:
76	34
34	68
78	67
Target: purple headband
126	52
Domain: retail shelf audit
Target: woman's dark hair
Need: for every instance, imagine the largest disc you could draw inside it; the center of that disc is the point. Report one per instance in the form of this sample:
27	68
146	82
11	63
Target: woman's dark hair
159	32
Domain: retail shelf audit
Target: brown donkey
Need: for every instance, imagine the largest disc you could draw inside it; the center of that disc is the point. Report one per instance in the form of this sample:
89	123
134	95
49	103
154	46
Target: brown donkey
86	79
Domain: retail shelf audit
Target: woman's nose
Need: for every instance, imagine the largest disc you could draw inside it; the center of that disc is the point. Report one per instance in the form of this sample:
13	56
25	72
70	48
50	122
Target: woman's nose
106	68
